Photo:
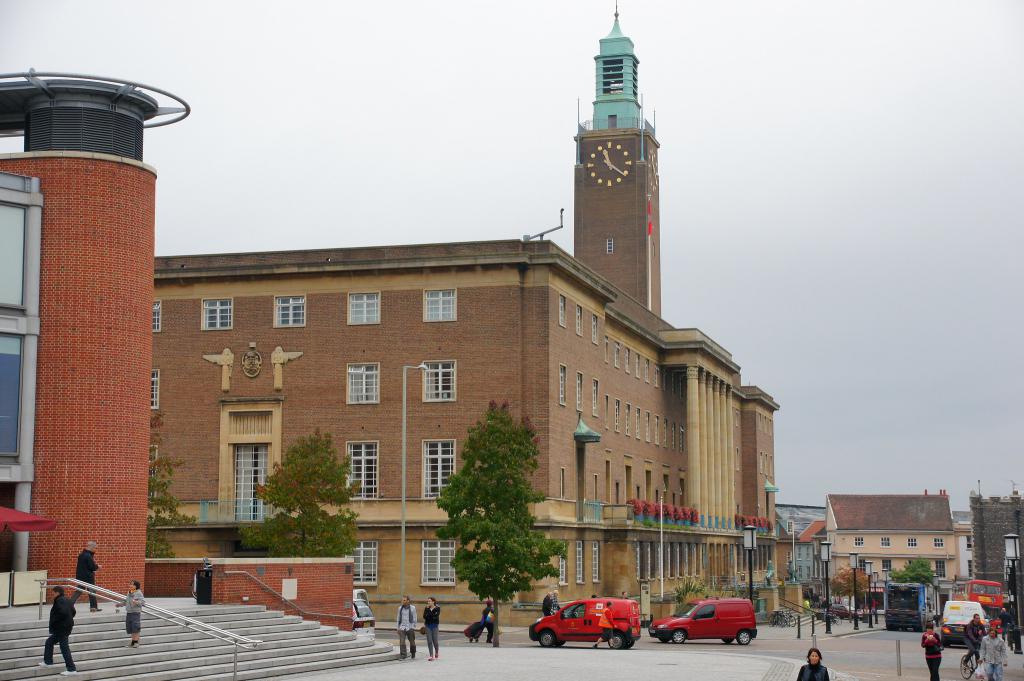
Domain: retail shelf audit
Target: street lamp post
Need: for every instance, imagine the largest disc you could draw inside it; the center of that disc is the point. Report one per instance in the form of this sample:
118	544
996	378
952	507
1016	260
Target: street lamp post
935	587
749	544
405	411
826	557
854	560
1012	556
885	593
868	596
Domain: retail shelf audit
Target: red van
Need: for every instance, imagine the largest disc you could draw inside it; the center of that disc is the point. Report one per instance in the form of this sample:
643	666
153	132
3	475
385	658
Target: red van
577	621
730	619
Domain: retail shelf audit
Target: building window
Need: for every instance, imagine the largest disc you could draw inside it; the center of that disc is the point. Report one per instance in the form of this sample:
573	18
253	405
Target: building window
579	562
250	473
617	412
364	308
637	431
561	384
290	311
858	541
629	410
12	255
437	562
217	314
595	389
439	306
439	382
657	430
606	344
940	568
647	426
617	351
10	391
637	372
154	389
157	311
886	542
647	370
627	359
579	320
561	310
579	391
593	329
595	561
887	564
970	567
563	577
561	483
365	559
912	542
363	383
363	469
657	375
938	543
438	465
639	575
609	246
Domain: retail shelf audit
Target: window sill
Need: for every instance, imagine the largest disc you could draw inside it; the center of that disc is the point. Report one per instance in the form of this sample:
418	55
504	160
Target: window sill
356	404
376	323
452	584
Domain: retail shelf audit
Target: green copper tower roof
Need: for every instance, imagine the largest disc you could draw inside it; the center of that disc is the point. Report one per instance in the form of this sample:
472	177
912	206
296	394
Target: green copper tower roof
617	103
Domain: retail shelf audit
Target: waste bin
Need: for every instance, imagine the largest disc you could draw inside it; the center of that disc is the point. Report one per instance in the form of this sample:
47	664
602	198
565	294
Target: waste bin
204	586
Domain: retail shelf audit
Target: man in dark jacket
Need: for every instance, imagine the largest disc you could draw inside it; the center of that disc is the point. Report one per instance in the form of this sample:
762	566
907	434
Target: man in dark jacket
545	606
62	620
973	633
86	572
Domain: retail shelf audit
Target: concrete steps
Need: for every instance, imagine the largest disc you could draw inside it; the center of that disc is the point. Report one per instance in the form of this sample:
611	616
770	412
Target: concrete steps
99	643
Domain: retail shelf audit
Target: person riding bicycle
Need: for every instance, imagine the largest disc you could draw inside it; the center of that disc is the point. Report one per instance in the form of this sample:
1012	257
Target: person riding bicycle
973	633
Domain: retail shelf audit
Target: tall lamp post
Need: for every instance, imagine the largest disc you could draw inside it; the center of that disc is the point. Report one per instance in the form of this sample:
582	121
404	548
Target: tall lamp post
868	596
405	411
854	561
1012	556
885	591
826	557
935	586
749	544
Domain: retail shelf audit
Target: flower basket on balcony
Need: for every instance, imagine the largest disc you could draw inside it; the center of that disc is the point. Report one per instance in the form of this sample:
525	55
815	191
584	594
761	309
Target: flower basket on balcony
638	509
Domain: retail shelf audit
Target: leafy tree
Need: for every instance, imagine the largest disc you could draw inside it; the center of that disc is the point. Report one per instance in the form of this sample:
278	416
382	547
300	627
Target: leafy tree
842	583
163	505
688	589
915	571
311	478
488	505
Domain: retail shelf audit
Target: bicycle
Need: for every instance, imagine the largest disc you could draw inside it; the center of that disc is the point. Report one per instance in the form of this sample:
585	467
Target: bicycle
968	665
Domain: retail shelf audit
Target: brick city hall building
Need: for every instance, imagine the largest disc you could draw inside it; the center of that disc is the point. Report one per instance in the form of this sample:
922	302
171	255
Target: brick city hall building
253	350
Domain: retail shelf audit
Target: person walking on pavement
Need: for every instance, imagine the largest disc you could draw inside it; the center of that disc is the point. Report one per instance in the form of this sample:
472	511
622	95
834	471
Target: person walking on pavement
545	606
554	602
86	572
133	603
1006	620
431	621
932	651
973	633
607	623
406	627
62	621
814	670
487	619
993	655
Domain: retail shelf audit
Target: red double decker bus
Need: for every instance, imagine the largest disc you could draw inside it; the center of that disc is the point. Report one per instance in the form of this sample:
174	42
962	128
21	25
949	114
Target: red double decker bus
989	594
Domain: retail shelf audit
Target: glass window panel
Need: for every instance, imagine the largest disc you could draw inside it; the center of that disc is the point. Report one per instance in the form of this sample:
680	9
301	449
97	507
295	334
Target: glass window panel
10	392
12	255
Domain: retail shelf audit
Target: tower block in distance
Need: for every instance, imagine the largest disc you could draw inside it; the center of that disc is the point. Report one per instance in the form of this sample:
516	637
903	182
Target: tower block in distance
616	225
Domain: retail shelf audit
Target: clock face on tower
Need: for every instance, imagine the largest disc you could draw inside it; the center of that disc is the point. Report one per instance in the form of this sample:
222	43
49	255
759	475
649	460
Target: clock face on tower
608	164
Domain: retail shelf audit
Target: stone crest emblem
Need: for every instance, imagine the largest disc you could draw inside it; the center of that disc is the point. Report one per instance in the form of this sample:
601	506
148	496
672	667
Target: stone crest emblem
252	362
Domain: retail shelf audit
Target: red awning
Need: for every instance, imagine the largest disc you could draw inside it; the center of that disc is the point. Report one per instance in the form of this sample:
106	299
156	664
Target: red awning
24	522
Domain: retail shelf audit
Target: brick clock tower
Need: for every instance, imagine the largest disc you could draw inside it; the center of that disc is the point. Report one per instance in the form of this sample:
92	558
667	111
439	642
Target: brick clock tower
616	221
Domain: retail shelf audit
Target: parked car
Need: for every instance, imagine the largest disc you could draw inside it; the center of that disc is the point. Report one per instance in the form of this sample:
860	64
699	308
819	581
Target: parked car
363	622
955	616
730	619
840	611
578	621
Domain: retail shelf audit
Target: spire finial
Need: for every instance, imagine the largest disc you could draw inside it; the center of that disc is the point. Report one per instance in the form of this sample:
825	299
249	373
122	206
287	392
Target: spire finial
616	10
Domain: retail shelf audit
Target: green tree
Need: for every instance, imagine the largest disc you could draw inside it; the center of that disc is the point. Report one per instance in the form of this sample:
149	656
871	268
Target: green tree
915	571
488	504
842	583
311	479
163	505
688	589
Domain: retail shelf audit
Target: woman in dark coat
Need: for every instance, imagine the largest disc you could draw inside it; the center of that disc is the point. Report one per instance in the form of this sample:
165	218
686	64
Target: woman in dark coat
814	670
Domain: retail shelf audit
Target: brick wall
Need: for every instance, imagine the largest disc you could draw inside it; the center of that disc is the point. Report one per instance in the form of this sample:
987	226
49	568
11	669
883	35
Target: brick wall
170	577
992	518
95	354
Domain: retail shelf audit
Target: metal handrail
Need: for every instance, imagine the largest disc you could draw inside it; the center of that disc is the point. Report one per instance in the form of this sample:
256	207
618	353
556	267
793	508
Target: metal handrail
223	635
269	588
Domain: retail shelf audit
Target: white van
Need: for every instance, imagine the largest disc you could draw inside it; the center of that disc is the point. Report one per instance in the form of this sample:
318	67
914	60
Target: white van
955	616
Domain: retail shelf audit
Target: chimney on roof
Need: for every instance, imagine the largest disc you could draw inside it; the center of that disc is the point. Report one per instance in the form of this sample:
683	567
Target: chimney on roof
926	492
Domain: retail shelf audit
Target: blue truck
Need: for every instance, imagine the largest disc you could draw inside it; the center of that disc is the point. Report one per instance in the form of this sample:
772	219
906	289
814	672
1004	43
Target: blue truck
906	606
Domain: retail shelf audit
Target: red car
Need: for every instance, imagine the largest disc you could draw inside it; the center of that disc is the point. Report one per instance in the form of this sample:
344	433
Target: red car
730	619
578	621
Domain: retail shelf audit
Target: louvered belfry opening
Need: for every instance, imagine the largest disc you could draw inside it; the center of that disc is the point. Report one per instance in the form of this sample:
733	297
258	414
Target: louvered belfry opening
78	128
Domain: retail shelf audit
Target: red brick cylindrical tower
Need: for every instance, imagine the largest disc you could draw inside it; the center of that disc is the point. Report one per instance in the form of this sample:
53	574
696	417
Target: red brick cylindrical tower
94	362
89	459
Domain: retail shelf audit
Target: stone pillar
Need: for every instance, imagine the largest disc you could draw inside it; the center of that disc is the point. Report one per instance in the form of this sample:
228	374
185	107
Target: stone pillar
716	483
693	478
730	440
723	458
703	416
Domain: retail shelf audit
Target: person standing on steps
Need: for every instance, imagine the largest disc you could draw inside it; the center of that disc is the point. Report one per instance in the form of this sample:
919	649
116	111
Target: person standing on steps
86	572
406	627
62	621
993	655
814	670
133	603
932	651
431	621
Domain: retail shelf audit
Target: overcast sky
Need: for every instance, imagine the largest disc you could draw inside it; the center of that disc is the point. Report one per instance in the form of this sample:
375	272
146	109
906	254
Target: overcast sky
842	182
